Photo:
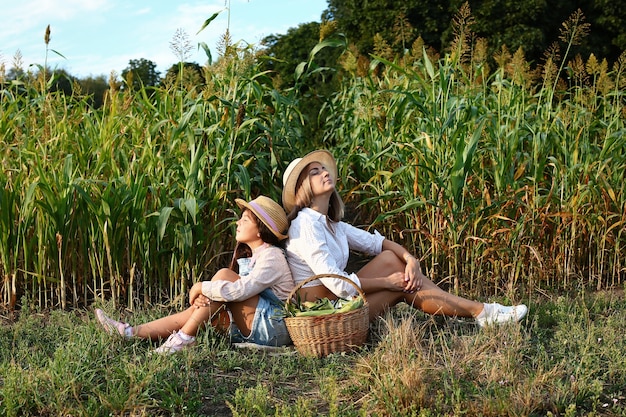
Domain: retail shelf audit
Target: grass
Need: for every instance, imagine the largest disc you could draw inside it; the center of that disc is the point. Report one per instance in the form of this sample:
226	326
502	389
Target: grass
566	358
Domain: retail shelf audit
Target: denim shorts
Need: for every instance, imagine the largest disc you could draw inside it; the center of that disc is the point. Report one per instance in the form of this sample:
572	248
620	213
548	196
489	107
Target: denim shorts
268	325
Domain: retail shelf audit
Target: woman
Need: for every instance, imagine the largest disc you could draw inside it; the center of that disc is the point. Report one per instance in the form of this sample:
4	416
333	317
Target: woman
253	289
319	243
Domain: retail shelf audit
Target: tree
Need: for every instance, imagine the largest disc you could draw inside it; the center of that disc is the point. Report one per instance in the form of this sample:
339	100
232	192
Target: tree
285	52
95	88
607	35
186	75
533	25
361	21
59	81
141	72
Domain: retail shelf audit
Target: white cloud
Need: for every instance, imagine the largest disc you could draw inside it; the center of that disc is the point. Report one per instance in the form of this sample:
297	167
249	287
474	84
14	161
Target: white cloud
97	36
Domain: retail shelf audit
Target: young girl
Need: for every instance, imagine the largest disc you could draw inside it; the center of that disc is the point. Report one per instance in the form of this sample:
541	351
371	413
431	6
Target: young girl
253	289
319	243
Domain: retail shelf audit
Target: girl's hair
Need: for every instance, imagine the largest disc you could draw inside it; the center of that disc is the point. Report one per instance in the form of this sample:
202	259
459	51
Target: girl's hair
304	197
242	250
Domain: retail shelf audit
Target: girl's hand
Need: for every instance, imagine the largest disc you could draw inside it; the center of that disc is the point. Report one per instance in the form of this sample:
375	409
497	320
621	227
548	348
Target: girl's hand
196	297
201	301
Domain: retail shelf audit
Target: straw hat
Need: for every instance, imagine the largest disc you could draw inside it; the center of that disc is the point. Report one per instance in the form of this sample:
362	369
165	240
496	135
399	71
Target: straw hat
292	173
269	212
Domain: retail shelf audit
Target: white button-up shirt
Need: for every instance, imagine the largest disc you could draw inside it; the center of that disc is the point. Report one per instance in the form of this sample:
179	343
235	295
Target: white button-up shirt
317	246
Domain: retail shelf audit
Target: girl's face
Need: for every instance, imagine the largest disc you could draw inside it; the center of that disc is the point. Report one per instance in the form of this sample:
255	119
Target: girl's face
248	230
320	179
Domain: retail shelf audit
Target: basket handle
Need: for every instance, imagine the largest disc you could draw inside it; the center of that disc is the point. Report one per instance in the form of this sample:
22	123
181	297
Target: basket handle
318	276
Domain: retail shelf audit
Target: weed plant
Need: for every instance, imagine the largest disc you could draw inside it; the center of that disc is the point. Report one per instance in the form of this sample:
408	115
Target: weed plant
499	178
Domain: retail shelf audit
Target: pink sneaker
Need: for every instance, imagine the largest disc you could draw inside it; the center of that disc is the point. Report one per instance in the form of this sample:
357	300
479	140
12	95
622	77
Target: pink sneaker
110	325
175	343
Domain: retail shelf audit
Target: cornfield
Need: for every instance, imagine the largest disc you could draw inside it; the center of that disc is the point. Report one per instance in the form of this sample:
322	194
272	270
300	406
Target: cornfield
500	180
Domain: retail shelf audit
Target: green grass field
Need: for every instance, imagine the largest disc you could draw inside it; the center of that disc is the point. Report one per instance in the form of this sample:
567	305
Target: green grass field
565	359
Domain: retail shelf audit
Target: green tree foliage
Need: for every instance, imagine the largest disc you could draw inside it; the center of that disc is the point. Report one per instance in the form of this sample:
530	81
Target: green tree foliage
187	75
284	53
361	21
536	24
607	37
95	87
141	72
58	81
533	25
511	24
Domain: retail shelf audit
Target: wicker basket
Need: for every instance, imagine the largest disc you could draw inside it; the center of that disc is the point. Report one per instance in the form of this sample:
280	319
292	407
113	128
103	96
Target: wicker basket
322	335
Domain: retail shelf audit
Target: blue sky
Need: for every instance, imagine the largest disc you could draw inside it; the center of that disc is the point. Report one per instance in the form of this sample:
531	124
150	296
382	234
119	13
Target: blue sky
96	37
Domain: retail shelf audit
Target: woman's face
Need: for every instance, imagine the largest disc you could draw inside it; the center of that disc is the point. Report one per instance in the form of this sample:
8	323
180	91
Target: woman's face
247	228
320	179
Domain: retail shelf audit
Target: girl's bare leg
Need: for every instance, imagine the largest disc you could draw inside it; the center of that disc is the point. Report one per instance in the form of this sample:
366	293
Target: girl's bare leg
200	317
430	298
243	314
189	321
243	311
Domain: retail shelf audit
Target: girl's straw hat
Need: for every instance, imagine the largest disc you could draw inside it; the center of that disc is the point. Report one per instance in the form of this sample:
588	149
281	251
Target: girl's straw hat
292	173
269	212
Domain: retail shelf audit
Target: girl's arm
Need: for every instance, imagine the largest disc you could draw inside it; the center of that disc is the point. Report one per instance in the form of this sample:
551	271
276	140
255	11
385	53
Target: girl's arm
270	267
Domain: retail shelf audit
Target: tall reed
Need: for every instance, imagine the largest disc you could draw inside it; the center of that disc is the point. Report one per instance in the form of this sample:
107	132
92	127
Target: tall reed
500	183
134	201
502	180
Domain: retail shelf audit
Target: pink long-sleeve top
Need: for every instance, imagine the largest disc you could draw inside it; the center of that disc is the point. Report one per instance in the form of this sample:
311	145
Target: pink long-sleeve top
269	270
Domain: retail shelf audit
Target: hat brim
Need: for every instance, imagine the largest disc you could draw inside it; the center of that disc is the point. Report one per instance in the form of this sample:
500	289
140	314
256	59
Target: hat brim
289	189
245	205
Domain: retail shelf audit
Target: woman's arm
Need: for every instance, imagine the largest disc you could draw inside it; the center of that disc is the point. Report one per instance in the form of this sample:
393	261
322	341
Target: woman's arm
393	282
373	244
313	246
413	271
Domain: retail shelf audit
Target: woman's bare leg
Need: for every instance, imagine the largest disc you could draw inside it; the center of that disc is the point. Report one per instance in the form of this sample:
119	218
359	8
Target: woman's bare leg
430	298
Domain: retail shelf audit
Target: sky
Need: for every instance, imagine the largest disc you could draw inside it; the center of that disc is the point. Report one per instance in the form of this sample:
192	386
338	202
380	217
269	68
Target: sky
95	37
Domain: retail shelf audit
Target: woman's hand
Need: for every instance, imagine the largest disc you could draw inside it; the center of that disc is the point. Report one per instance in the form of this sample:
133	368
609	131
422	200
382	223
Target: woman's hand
396	281
413	276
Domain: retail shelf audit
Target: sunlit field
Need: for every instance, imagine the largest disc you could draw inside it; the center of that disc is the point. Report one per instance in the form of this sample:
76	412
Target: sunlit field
507	182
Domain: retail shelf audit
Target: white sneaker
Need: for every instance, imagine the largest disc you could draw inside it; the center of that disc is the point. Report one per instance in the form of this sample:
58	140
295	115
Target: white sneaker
175	343
497	314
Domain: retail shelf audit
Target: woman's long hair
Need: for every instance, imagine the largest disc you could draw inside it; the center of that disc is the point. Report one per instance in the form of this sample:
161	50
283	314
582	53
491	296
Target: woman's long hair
242	250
